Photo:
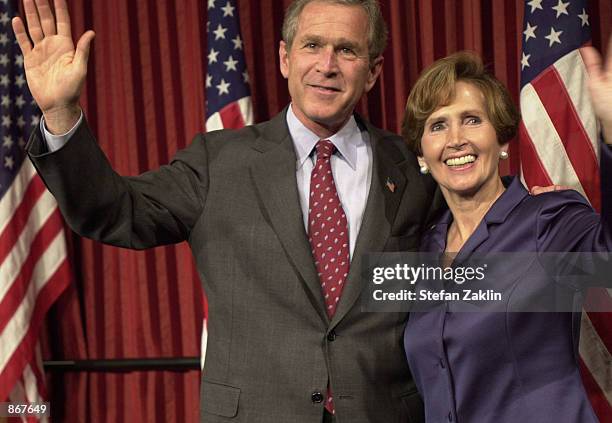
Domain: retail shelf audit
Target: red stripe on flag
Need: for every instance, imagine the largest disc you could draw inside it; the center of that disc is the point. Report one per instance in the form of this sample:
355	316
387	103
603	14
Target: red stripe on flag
558	104
20	217
19	287
600	404
602	322
533	169
23	354
231	116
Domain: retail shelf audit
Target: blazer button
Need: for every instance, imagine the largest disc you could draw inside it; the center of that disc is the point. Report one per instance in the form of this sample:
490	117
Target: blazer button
316	397
331	337
450	416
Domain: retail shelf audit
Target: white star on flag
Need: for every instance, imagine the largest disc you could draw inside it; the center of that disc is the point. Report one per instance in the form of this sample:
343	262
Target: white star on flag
212	56
553	37
237	43
211	4
4	60
584	18
19	101
8	141
219	32
230	64
228	10
561	8
208	81
8	162
535	4
223	87
525	61
530	32
20	80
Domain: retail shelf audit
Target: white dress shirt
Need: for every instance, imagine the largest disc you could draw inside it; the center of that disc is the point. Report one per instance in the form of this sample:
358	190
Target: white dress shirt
351	167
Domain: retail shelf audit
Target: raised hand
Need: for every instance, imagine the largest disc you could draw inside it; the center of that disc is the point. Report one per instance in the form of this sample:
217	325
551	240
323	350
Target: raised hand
600	86
55	70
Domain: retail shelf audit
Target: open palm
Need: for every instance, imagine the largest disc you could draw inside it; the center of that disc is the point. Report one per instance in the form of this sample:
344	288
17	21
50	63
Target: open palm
55	70
600	84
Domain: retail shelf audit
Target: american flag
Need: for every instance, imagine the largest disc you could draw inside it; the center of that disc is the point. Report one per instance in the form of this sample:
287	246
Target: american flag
228	97
33	266
559	138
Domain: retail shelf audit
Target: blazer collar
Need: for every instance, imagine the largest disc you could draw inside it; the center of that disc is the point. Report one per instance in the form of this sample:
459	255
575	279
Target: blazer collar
273	174
498	213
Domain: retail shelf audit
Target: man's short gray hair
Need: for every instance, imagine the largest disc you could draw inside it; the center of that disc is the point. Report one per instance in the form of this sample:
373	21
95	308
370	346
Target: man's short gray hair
377	30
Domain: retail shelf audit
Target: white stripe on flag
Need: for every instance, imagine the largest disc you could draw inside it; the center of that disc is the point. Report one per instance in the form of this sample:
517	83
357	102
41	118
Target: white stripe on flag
214	122
547	141
17	327
572	72
595	355
10	267
15	193
246	109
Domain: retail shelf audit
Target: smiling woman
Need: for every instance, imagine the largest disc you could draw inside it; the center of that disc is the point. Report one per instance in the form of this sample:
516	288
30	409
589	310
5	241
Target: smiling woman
495	366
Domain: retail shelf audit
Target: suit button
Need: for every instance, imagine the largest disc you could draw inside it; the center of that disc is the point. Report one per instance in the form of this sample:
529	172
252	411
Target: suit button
331	337
316	397
450	416
442	366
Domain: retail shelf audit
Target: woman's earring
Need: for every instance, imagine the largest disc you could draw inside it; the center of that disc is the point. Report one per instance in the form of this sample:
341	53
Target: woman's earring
424	169
503	155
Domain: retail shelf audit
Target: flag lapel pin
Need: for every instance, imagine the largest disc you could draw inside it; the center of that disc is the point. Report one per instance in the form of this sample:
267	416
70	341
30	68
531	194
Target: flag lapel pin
390	185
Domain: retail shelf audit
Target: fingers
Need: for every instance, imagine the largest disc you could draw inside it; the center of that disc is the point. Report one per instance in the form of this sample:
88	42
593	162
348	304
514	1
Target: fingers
592	62
63	18
82	49
609	57
22	37
33	21
47	21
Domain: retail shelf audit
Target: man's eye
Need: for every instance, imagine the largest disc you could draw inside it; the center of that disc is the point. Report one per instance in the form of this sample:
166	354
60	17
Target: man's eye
311	45
472	120
346	50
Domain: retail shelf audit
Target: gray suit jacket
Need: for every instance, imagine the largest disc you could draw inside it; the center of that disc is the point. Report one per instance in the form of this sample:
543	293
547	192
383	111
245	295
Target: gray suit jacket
233	196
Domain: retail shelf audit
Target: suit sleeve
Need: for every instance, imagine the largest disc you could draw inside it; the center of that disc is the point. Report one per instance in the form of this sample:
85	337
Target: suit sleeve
158	207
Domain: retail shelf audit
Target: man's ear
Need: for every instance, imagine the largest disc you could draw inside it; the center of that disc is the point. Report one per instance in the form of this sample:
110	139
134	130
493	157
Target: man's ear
374	72
283	56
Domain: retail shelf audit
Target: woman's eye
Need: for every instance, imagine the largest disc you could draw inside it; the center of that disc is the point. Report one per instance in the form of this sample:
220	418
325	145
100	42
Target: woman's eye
437	126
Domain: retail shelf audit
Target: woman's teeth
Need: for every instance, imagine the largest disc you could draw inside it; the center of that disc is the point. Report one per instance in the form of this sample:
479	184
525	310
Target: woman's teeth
459	161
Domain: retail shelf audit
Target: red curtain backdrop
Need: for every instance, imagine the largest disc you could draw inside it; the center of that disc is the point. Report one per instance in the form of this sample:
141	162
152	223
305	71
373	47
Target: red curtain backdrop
144	99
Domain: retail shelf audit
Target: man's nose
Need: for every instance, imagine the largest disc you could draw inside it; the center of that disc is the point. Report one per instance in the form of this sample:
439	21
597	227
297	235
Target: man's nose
328	61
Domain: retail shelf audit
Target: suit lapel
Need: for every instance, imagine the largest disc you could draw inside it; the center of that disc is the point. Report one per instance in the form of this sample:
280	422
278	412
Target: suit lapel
386	191
275	180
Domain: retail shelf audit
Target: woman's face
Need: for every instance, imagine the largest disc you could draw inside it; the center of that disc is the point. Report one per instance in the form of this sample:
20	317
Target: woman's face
460	145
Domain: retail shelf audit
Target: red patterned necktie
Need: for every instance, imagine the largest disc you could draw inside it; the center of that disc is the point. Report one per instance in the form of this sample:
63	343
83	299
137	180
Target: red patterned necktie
328	234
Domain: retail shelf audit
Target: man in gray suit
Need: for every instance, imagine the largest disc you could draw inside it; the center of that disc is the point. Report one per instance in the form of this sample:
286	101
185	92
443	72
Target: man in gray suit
278	216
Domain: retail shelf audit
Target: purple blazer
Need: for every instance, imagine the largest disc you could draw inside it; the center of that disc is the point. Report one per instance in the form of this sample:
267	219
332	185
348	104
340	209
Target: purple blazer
507	367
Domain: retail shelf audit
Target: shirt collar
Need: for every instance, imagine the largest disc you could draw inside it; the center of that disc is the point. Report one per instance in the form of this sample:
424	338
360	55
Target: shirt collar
346	140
